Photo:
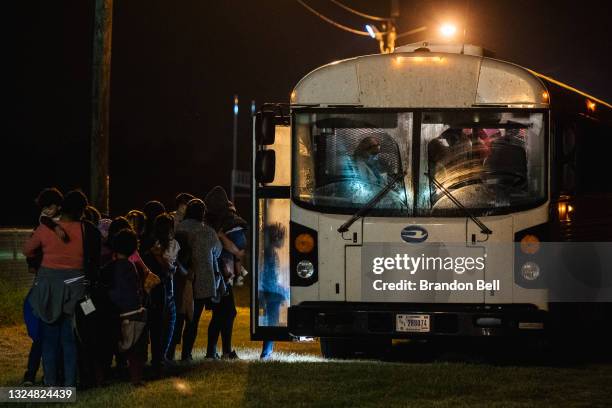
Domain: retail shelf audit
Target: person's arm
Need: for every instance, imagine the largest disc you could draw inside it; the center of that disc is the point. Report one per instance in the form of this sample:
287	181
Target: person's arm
32	244
158	253
216	244
55	227
137	260
229	246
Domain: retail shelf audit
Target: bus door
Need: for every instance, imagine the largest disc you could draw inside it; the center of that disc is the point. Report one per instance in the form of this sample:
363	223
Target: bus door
270	227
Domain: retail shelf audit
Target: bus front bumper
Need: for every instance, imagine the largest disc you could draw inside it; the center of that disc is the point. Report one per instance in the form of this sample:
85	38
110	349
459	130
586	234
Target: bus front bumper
342	319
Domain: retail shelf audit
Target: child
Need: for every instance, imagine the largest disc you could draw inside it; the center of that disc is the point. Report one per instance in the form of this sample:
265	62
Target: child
49	202
162	259
271	291
126	296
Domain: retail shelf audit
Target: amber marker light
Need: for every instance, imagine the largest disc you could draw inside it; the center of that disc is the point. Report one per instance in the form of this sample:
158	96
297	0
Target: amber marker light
304	243
545	96
530	244
564	210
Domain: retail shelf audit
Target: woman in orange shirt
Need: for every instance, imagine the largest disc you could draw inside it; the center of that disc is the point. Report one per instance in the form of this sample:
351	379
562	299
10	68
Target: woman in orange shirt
60	284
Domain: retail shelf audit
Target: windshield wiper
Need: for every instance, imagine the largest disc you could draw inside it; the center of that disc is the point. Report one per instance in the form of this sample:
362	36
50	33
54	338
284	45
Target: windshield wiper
370	204
483	228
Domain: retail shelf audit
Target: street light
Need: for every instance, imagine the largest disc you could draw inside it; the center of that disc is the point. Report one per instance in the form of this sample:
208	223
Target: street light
386	38
448	30
372	30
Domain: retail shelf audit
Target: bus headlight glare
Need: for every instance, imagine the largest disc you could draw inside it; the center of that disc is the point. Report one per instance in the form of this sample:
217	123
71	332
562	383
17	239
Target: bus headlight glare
530	271
304	269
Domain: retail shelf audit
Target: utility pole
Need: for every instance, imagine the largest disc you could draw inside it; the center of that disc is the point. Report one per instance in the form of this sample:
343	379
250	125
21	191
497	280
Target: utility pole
235	149
99	142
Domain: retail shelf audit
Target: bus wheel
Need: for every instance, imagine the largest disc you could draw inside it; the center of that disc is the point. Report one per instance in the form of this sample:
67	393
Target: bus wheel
336	347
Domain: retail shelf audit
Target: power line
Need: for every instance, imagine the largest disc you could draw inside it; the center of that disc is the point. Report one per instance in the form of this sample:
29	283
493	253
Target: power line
359	13
416	30
332	22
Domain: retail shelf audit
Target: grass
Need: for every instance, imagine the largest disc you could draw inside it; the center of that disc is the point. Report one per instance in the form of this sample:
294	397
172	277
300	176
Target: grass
11	303
298	376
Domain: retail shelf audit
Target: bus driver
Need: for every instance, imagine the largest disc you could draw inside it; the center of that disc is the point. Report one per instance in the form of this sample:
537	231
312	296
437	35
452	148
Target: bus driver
368	167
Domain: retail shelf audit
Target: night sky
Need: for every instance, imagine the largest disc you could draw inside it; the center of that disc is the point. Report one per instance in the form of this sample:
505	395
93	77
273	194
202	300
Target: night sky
177	64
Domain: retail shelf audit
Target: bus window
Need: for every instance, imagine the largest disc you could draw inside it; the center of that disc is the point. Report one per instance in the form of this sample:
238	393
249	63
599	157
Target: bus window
273	262
488	161
343	160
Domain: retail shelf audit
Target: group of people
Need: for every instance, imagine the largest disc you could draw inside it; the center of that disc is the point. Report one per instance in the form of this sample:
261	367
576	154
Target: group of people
130	288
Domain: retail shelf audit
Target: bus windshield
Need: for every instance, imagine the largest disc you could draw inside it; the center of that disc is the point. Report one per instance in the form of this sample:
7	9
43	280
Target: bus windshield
489	161
343	160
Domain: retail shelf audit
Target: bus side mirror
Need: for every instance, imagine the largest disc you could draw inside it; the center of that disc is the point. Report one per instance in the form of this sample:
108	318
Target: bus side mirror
265	164
264	128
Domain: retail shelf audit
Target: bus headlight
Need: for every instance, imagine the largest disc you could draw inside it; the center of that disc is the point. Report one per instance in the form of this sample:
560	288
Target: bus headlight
304	269
530	271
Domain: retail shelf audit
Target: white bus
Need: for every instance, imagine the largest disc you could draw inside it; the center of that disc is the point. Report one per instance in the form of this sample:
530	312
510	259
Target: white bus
431	152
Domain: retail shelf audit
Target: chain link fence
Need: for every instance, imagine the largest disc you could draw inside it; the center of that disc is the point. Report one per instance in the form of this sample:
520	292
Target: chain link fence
13	269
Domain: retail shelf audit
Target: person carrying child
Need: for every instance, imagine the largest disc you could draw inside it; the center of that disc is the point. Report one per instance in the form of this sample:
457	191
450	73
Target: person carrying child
49	202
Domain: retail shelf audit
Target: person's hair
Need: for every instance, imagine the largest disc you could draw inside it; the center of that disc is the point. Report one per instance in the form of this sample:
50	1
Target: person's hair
125	242
48	197
195	210
118	224
164	225
183	198
92	214
137	220
74	204
216	201
151	210
364	146
275	232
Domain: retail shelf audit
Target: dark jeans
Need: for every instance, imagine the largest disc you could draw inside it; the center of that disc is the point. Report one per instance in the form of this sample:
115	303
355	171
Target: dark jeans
169	323
57	339
180	330
221	322
161	320
191	329
34	360
156	325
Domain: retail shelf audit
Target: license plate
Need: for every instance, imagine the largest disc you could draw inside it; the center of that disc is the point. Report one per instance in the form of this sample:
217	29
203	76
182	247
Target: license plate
412	323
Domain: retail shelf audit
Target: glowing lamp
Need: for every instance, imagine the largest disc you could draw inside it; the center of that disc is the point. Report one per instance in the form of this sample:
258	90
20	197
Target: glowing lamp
448	30
371	30
591	105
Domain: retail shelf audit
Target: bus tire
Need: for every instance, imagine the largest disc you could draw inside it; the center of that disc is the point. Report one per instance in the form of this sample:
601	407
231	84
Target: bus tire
336	347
